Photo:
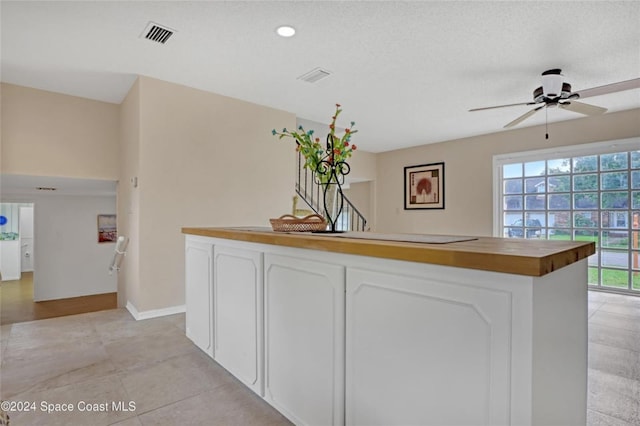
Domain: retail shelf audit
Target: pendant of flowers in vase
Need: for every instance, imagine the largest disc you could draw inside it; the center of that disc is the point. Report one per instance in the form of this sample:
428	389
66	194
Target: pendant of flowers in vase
337	149
327	163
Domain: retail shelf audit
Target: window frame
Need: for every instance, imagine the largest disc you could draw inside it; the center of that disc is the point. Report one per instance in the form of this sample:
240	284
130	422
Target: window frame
565	152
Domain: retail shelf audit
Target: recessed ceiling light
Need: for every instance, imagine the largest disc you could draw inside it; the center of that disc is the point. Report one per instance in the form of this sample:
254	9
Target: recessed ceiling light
285	31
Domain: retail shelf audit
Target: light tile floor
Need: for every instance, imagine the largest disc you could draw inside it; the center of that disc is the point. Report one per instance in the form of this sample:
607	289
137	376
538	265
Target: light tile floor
107	356
614	360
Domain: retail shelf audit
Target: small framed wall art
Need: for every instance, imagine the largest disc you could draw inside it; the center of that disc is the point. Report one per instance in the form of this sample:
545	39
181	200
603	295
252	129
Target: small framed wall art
107	230
424	186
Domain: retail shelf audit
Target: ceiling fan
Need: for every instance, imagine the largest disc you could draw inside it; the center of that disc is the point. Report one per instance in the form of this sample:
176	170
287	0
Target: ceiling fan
555	92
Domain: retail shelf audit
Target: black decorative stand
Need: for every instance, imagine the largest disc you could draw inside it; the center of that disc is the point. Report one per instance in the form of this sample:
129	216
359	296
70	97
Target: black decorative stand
330	174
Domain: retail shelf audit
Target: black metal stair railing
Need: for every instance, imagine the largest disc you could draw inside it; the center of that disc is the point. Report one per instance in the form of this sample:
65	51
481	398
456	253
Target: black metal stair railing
350	218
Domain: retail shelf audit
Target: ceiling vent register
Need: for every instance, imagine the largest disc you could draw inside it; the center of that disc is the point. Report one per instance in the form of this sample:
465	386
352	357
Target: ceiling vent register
158	33
314	75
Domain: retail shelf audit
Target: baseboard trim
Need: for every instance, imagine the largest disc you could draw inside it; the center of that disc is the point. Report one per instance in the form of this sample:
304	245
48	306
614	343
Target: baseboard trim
154	313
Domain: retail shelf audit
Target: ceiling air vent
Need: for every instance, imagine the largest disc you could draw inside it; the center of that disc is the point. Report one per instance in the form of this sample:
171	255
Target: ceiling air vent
46	188
156	32
314	75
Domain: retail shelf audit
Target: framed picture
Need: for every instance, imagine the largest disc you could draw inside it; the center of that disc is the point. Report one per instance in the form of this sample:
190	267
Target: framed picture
107	229
424	186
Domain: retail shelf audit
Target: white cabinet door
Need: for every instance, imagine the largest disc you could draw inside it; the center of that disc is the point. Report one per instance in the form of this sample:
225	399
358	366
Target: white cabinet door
304	339
198	297
426	351
238	314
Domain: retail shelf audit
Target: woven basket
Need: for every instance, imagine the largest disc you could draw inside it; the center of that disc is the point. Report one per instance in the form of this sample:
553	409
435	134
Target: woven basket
289	223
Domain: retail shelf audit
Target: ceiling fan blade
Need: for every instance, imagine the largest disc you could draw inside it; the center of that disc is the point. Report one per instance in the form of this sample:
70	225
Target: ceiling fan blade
610	88
523	117
582	108
502	106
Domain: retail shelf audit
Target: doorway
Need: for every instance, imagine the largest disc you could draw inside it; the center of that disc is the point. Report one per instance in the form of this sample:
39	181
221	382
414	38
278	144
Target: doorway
16	240
64	266
17	287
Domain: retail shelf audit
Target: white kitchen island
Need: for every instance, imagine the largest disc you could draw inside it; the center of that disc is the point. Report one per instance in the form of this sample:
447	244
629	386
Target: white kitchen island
334	330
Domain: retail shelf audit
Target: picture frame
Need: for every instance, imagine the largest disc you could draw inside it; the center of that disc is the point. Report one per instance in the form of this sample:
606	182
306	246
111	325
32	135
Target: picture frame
107	228
424	186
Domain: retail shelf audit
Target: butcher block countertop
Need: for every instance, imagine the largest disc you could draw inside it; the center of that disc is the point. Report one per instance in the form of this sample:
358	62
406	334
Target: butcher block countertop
514	256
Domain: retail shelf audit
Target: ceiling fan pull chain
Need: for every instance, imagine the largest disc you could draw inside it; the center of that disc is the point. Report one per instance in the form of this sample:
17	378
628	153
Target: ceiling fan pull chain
546	123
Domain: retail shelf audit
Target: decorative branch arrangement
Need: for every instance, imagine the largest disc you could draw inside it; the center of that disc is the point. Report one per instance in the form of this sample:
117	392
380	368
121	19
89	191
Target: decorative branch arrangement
328	163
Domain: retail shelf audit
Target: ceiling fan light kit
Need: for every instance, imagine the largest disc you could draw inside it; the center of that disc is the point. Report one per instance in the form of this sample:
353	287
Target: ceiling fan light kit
552	83
555	92
565	93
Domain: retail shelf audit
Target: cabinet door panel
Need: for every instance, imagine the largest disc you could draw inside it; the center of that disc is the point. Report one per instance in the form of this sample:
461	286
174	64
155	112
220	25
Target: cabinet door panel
425	351
238	314
304	339
198	294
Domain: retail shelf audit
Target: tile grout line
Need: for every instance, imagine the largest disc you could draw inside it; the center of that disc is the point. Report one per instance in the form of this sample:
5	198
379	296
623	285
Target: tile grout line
615	347
608	416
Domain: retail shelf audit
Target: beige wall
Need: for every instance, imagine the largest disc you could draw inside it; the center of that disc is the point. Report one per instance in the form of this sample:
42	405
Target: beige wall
201	159
469	172
362	183
204	160
128	196
363	165
49	134
362	195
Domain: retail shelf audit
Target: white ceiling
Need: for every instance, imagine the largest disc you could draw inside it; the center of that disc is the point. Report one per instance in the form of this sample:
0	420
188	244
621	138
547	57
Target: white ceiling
406	72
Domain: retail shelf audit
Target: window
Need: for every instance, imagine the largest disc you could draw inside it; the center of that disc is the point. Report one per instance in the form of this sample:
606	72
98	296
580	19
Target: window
585	193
